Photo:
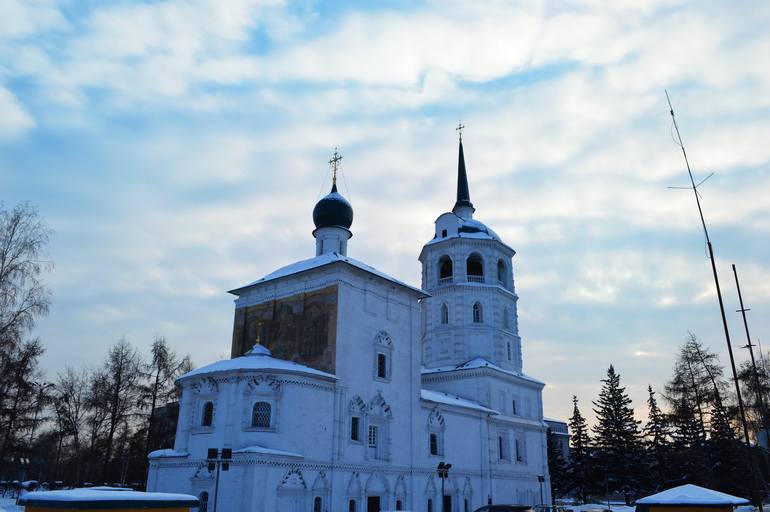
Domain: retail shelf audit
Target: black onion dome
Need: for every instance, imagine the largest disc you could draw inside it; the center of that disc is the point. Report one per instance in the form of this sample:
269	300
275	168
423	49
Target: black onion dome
333	210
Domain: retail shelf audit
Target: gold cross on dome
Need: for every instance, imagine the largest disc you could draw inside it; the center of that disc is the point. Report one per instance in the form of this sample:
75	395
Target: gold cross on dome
459	129
335	162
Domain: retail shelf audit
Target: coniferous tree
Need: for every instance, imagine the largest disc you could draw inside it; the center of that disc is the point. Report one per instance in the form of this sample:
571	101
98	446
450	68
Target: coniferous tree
617	437
580	467
729	457
657	435
557	467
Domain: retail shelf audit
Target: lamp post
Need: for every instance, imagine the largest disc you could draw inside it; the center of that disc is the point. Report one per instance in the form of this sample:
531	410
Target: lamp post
443	472
217	460
541	479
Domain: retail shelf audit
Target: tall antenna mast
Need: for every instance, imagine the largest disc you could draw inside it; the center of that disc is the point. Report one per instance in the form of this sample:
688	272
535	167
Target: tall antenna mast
694	188
750	346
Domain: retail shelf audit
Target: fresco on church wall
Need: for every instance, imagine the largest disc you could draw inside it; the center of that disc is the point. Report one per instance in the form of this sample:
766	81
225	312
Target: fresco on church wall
300	328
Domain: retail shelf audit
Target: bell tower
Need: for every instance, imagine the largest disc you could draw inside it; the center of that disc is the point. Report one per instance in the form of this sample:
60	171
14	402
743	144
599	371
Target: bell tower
467	269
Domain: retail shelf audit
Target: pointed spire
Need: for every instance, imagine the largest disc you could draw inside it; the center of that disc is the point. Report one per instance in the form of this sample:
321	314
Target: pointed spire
463	194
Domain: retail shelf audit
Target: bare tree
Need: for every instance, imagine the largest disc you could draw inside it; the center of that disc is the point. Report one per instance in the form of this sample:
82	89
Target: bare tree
123	371
23	298
160	374
71	402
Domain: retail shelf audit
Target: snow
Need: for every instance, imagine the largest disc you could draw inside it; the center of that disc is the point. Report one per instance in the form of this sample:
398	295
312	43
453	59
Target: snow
9	505
690	494
440	397
267	451
258	358
166	452
479	362
113	497
320	261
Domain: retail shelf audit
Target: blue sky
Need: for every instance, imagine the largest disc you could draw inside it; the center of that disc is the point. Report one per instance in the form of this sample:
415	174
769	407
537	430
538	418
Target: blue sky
177	149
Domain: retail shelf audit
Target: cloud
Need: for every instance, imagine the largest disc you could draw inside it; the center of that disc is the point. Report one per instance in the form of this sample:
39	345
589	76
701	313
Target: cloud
179	148
14	120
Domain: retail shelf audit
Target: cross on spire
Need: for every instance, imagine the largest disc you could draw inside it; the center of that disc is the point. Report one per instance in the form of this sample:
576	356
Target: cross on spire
459	129
334	162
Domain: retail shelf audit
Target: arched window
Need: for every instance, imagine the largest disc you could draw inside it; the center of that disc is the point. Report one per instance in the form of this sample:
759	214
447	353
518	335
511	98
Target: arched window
510	352
434	443
445	269
506	320
430	505
444	314
477	315
317	504
352	506
399	505
260	415
474	268
207	418
502	277
204	502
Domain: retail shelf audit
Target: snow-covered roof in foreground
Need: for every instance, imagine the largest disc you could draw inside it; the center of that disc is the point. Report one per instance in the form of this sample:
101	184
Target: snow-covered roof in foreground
690	494
258	358
109	498
479	362
320	261
439	397
267	451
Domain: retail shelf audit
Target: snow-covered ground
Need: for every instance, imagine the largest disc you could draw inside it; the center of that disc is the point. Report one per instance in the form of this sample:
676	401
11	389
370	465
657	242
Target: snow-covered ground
9	505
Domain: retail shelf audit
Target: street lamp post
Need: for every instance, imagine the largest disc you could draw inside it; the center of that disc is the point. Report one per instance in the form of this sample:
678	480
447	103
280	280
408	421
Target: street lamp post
443	472
541	479
217	460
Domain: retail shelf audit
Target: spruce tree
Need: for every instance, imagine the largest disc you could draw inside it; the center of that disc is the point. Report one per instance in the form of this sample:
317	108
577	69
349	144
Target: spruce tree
557	467
579	468
657	434
729	457
617	437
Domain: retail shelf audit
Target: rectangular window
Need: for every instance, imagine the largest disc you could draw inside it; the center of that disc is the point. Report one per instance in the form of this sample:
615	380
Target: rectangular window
372	436
382	366
354	429
501	447
510	355
513	407
433	443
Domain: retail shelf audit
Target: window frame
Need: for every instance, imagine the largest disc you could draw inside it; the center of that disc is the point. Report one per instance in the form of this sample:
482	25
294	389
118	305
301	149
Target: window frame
269	415
477	313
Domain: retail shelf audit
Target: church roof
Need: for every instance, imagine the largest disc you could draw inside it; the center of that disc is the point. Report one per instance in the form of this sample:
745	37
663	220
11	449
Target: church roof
333	210
463	193
259	358
320	261
439	397
476	363
468	228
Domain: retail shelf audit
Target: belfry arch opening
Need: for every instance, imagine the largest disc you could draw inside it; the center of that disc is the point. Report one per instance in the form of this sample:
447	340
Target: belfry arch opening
474	268
502	273
445	270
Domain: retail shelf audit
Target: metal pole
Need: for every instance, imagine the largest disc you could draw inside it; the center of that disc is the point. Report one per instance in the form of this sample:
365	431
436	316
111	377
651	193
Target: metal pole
760	401
721	306
443	504
216	485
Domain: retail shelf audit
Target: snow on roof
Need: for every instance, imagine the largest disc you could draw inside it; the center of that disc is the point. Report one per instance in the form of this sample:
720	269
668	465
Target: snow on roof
690	494
479	362
553	420
166	452
268	451
109	498
439	397
259	358
320	261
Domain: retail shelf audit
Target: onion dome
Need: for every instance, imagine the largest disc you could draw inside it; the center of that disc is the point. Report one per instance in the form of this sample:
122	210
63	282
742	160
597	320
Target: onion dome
333	210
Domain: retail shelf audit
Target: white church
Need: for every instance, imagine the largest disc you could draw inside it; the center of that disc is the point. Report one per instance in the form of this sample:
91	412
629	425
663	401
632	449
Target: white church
347	387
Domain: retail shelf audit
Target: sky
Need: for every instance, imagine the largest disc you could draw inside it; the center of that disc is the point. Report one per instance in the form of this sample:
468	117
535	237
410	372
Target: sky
176	149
